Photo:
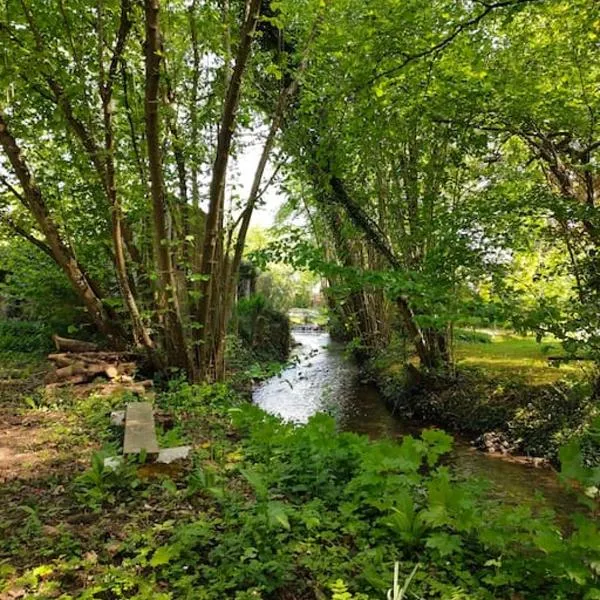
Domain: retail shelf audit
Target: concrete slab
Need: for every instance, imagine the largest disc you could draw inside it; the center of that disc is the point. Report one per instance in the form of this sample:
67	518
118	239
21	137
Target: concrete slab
169	455
140	433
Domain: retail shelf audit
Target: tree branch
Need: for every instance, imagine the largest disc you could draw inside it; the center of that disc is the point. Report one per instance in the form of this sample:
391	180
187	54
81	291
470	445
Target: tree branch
16	228
458	29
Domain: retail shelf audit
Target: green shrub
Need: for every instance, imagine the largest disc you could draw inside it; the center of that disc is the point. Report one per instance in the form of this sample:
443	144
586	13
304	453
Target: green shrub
551	416
472	336
24	336
269	510
307	507
536	420
263	330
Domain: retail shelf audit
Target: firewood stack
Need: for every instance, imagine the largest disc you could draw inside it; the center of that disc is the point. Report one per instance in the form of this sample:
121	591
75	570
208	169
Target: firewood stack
77	362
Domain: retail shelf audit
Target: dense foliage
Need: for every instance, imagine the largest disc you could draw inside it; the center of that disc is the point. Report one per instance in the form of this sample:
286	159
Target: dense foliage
440	166
453	148
266	509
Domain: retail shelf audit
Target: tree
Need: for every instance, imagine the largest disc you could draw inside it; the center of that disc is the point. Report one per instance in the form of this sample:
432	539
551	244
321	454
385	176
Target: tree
97	174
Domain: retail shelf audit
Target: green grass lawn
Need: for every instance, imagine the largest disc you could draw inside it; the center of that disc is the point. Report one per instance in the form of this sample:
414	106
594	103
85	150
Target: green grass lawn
509	354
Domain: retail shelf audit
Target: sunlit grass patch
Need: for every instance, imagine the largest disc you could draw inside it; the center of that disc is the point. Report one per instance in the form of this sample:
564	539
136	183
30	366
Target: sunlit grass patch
510	354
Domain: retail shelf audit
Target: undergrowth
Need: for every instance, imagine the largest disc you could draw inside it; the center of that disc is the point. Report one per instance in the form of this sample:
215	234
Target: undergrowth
265	509
536	413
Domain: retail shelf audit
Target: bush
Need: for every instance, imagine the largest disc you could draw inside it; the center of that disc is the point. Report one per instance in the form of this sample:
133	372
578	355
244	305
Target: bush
472	336
24	336
552	416
33	288
303	507
536	420
263	330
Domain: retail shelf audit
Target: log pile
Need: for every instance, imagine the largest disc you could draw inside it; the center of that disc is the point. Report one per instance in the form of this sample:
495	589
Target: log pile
77	362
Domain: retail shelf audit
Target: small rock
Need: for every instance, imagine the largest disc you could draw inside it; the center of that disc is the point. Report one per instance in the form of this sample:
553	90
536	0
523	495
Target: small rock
112	463
117	418
169	455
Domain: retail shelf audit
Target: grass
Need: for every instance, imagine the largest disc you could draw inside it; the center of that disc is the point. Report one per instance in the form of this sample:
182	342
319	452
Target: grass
517	356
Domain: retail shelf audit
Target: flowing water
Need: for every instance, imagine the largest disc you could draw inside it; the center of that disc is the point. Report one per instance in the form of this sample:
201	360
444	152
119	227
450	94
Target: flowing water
323	380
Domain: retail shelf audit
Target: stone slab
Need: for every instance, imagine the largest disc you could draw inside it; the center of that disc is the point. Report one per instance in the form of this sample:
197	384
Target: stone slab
140	433
169	455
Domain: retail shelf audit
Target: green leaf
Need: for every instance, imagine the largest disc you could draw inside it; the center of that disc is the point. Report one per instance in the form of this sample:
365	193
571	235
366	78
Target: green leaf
444	543
277	514
256	480
170	486
163	555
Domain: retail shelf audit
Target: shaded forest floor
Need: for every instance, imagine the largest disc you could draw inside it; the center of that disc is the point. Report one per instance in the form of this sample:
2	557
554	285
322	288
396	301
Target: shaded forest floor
64	518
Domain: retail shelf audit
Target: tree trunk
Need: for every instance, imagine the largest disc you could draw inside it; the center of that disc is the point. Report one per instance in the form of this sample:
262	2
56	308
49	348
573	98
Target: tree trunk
140	333
428	356
168	303
217	186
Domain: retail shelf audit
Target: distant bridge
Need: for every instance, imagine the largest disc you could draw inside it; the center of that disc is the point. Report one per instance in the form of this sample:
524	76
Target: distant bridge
308	328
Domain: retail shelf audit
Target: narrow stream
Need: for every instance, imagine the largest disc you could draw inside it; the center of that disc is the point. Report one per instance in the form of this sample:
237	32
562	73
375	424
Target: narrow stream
323	380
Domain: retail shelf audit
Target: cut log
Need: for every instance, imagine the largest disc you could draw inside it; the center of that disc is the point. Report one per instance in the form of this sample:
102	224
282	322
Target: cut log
140	433
126	368
86	371
123	361
70	345
62	360
111	371
64	373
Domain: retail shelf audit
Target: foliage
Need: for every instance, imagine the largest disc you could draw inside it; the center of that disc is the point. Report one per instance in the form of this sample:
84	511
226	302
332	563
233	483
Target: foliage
472	336
267	508
24	336
282	285
104	484
575	465
264	330
33	289
532	407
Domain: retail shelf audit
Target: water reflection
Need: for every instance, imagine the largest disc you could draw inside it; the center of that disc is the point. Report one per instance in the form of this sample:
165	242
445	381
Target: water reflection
323	380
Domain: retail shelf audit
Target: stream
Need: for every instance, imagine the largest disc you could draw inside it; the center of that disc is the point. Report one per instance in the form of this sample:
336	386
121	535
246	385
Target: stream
323	380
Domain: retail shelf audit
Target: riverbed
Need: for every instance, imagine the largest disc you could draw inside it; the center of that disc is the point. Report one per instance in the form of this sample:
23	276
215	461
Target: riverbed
323	379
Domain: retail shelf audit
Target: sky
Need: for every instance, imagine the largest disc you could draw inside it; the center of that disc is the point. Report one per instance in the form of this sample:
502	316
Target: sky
242	172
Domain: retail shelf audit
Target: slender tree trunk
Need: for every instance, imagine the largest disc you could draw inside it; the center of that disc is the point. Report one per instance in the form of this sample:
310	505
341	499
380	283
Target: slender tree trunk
233	267
168	302
217	185
140	333
106	82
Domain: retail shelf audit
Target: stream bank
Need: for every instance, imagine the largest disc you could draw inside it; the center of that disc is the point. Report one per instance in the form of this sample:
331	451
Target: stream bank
503	414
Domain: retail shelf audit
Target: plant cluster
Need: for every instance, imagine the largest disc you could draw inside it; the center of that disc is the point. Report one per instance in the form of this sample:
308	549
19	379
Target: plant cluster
268	509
